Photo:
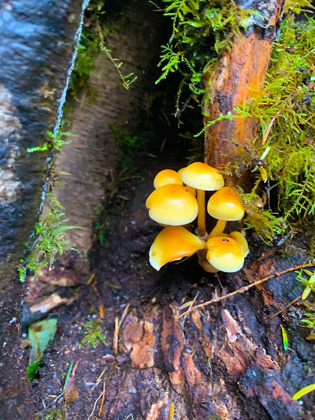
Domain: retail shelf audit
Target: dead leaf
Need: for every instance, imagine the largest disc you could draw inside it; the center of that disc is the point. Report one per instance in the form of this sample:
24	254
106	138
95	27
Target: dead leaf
71	390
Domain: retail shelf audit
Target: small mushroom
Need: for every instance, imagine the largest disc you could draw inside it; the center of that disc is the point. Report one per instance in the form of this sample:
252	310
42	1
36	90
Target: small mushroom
224	254
224	205
204	178
172	205
165	177
172	244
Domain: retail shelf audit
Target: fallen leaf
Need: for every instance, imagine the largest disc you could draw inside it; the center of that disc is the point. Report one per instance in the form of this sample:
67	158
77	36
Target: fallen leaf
71	390
39	336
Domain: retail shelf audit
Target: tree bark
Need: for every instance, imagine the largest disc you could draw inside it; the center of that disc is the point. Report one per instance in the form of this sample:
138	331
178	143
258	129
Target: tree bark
238	76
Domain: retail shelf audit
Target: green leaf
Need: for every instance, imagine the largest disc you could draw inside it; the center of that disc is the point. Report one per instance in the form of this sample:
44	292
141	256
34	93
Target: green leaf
39	335
285	339
303	392
32	370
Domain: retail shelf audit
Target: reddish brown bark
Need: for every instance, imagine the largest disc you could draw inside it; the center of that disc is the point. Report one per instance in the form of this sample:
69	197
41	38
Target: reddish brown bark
238	76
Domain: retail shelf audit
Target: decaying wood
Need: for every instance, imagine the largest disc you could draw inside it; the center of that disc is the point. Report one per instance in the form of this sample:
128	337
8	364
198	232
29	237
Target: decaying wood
238	76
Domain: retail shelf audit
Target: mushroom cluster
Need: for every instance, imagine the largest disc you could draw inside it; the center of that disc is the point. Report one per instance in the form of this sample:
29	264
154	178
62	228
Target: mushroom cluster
178	199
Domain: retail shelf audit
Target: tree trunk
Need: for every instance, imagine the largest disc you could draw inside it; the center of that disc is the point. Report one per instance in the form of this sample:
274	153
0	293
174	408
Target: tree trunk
37	45
239	74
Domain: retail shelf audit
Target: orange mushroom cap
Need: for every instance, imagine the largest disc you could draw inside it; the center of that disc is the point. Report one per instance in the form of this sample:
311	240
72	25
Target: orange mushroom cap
167	176
225	205
172	205
202	176
224	254
171	244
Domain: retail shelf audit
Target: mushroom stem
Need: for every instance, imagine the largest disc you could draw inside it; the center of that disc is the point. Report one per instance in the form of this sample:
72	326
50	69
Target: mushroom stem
218	229
201	229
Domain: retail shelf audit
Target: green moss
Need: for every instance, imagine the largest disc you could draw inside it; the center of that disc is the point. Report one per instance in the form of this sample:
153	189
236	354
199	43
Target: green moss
87	51
201	31
286	110
127	144
56	414
93	333
49	239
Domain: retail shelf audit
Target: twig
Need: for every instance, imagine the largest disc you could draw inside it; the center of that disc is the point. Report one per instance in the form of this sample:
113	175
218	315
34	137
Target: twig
286	307
123	316
103	399
191	305
245	288
118	324
269	128
115	338
94	406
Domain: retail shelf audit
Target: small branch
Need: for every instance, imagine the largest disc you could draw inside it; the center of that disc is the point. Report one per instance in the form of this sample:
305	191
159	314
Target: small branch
286	307
102	401
269	128
245	288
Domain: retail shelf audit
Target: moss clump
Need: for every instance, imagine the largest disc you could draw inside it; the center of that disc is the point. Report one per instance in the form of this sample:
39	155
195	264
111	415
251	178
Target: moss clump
201	31
93	333
49	239
286	111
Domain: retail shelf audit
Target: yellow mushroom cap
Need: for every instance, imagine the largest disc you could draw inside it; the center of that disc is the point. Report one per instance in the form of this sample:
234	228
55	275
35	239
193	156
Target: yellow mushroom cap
181	171
167	176
224	254
225	205
191	189
171	244
172	205
241	242
202	176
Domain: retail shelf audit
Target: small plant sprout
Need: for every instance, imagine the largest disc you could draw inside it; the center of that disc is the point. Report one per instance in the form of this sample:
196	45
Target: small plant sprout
204	178
174	205
309	283
173	243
